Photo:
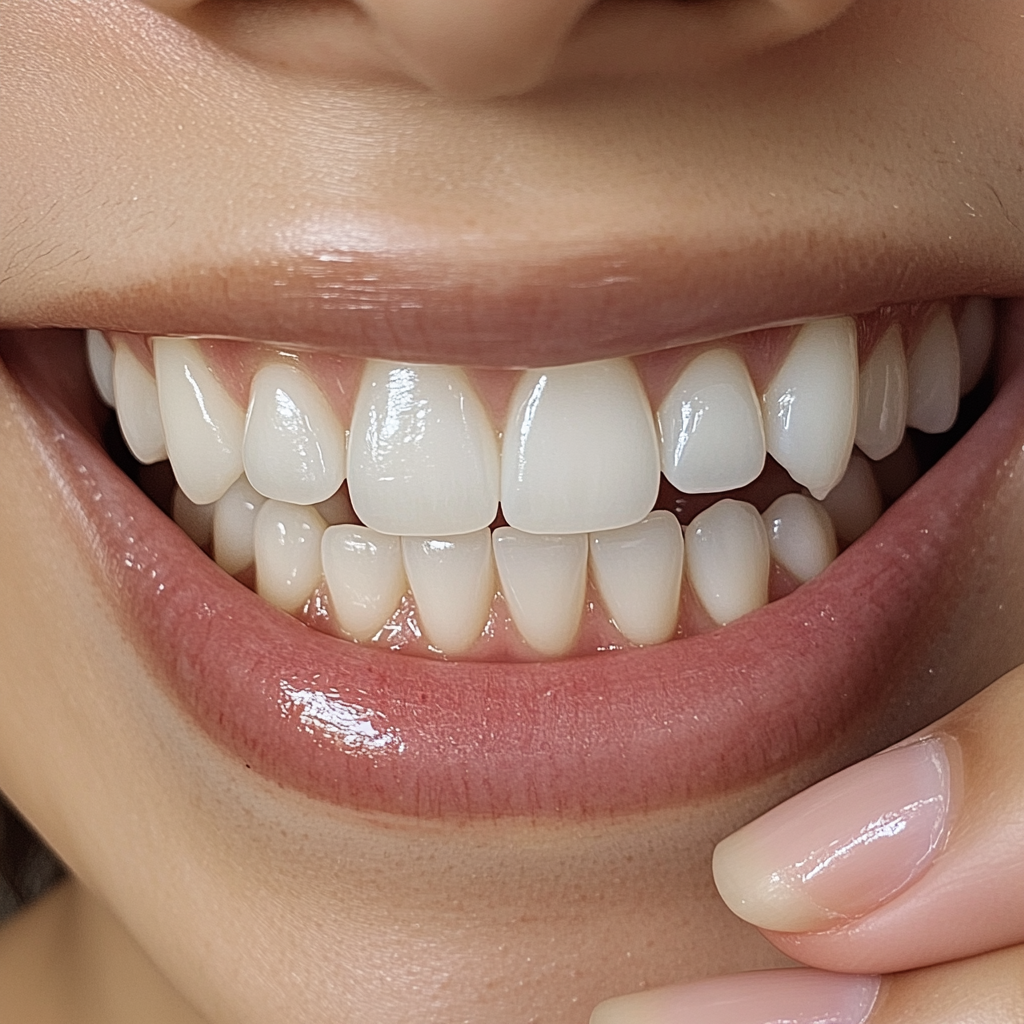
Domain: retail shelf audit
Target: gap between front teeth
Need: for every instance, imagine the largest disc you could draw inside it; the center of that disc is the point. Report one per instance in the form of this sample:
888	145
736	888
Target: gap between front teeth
574	472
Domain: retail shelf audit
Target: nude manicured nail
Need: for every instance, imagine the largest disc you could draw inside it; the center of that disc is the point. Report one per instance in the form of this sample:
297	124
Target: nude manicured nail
798	996
842	847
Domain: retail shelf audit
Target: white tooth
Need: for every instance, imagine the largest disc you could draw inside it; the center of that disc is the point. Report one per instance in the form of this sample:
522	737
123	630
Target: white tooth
202	424
544	580
855	503
287	553
423	458
365	577
234	522
195	520
452	581
811	406
337	509
976	332
712	435
801	536
934	372
294	447
138	411
727	559
580	450
101	365
638	570
882	413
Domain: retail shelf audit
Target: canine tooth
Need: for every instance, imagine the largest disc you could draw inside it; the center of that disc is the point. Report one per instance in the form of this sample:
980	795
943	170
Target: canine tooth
544	580
934	373
580	450
712	435
365	577
811	406
337	509
727	559
234	523
801	536
976	331
638	570
423	458
101	365
202	424
882	407
452	580
138	412
855	503
294	448
195	520
286	541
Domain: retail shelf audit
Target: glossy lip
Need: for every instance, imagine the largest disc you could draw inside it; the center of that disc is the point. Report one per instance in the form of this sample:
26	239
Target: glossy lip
609	733
507	309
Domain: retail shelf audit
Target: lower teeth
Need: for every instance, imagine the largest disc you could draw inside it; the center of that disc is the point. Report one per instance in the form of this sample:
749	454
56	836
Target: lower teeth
502	593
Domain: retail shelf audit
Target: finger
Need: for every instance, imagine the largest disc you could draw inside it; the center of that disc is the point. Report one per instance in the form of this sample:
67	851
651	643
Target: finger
988	989
913	857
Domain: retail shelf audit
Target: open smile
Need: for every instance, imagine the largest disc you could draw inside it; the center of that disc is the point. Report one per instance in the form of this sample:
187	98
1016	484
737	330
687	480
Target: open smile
593	640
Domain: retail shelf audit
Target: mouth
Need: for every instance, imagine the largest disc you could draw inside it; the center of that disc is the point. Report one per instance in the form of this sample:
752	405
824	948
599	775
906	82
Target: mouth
454	591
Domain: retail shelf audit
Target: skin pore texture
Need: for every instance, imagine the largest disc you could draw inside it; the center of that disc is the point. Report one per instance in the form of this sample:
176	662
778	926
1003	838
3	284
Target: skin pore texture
220	174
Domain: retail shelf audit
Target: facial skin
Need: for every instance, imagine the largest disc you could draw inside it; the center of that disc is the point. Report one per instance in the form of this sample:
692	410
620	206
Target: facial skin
153	175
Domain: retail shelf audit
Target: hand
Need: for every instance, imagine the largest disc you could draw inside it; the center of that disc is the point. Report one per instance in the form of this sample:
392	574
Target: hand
909	865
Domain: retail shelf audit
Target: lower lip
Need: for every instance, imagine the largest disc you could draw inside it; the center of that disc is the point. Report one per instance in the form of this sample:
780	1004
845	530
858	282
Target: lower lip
614	732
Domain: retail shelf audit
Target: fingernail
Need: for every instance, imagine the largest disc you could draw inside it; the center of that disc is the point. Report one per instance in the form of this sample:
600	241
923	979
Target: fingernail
843	847
797	996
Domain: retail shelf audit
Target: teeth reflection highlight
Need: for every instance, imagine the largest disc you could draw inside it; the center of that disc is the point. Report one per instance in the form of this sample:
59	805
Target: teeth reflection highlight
138	411
286	542
638	571
728	560
294	448
544	580
884	394
855	503
423	457
811	405
365	577
100	357
712	435
452	581
234	524
580	450
202	425
934	373
801	536
975	331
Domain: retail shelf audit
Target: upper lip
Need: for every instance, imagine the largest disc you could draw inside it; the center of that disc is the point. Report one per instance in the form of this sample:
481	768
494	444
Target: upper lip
509	309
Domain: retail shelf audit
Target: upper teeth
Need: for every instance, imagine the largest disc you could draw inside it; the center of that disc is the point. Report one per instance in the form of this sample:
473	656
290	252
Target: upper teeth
580	452
423	457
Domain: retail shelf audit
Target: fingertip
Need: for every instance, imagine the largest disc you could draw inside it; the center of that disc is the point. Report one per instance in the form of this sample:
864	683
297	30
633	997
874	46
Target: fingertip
842	848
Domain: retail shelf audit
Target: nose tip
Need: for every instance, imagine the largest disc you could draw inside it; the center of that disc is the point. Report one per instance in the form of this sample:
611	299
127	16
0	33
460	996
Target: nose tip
475	48
488	48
